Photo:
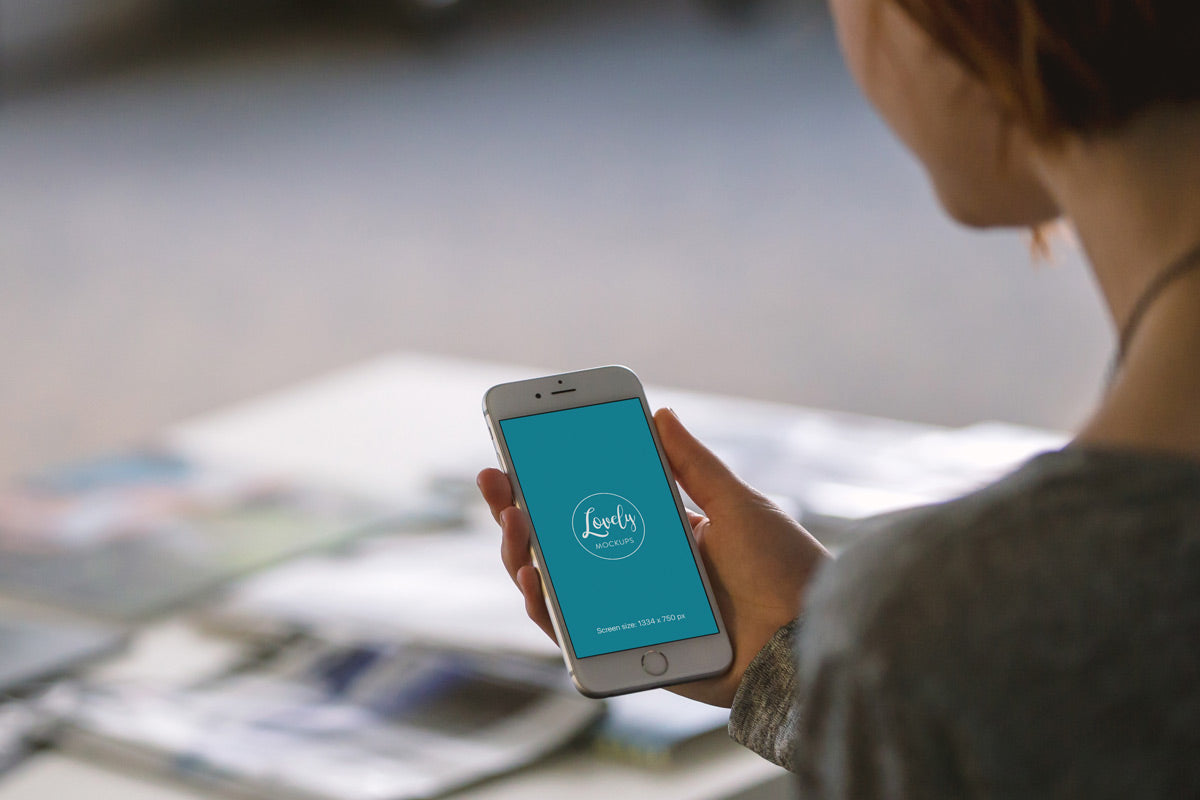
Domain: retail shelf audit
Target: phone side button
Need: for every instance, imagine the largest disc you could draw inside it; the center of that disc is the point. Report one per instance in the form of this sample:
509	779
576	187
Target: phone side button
654	662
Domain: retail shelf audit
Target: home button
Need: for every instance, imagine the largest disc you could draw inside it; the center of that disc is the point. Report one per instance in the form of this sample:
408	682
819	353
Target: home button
654	662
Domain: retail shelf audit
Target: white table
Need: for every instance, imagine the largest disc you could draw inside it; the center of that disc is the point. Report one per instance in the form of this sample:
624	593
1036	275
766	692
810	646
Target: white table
382	427
387	425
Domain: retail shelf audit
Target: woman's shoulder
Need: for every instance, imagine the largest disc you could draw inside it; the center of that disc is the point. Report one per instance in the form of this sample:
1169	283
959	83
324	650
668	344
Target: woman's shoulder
975	640
1066	526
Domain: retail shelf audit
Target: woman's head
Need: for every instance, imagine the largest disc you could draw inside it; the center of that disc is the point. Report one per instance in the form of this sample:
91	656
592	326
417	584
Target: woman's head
974	87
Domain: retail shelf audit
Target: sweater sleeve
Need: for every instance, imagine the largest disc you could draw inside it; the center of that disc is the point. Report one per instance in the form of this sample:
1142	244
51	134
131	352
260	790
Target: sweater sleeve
839	727
764	716
874	661
859	739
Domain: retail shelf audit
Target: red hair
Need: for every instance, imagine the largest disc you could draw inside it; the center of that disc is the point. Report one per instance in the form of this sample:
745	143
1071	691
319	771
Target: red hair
1072	66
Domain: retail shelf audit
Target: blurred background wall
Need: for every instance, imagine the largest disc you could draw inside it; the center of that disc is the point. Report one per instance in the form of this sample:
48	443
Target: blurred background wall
201	201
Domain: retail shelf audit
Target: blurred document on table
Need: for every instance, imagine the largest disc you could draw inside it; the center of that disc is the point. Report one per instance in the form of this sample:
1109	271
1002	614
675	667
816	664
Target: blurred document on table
353	721
443	588
135	533
654	728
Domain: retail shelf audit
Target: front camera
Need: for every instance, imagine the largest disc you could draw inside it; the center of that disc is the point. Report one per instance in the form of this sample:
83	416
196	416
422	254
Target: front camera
538	395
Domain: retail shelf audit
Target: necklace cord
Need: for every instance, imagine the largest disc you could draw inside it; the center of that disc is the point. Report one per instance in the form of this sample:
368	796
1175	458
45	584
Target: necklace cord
1186	263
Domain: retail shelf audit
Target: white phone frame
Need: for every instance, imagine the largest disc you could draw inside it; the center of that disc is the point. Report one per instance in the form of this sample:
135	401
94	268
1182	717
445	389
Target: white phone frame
620	672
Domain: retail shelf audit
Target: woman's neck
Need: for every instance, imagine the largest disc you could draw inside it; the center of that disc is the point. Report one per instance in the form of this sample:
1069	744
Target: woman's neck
1133	199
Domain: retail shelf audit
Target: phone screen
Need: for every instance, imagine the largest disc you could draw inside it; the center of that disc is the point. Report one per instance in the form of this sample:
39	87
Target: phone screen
612	542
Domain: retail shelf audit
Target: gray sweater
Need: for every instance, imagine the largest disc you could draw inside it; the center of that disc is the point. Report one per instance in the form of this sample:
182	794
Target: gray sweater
1038	638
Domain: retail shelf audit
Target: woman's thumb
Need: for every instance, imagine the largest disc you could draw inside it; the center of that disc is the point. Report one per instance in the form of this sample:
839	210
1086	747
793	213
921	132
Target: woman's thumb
702	475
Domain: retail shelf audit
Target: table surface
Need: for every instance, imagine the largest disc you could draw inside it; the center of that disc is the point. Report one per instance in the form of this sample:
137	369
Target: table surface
389	425
381	427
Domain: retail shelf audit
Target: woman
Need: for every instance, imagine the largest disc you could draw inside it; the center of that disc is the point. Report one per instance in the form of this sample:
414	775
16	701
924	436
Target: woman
1040	637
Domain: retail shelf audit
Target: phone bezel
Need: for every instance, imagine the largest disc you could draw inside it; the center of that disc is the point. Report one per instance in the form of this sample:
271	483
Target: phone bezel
619	672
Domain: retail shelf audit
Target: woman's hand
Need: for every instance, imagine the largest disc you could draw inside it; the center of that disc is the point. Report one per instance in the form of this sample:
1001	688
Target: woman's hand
758	559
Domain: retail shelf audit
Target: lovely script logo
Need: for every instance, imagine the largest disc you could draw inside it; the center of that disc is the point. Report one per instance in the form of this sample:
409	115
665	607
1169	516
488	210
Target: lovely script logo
608	526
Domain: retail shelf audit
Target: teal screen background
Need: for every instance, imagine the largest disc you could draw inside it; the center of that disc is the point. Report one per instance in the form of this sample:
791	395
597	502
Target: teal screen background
561	457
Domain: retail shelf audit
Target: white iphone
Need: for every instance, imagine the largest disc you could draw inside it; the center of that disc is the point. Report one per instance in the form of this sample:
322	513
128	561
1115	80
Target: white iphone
624	582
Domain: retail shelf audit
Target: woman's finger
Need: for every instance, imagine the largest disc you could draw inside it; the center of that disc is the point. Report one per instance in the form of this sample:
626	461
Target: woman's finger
535	602
700	473
514	541
496	490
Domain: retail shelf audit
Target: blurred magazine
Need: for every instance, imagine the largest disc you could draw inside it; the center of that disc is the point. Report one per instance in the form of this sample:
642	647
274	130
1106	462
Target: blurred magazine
135	533
439	588
654	729
340	722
